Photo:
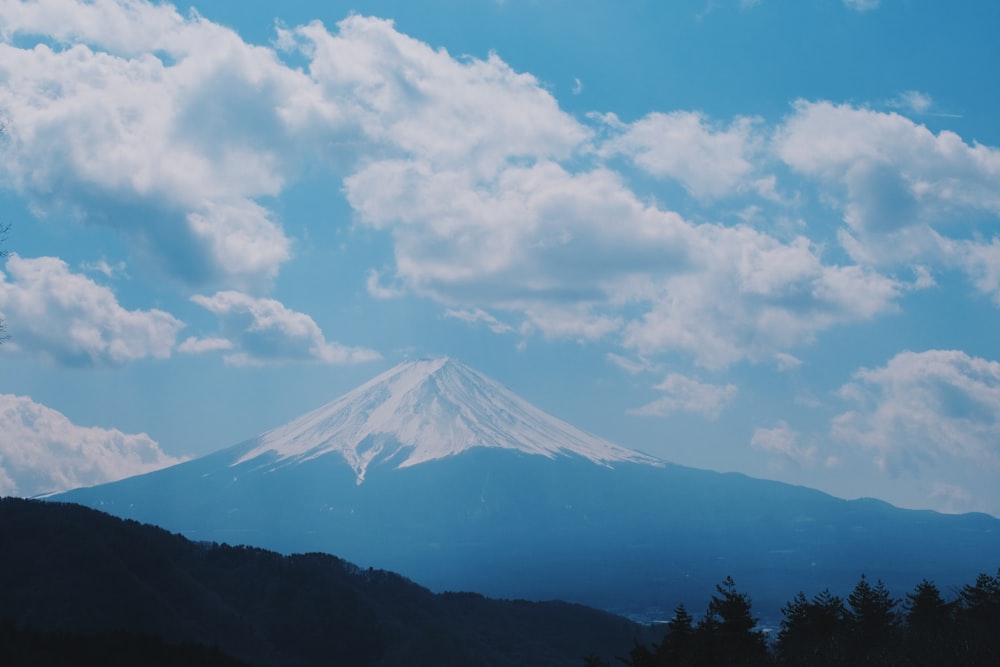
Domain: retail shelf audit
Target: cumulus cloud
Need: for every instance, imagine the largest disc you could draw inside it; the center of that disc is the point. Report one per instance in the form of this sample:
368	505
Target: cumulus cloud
684	146
265	331
172	131
685	394
168	150
71	319
41	451
925	408
469	113
537	241
908	195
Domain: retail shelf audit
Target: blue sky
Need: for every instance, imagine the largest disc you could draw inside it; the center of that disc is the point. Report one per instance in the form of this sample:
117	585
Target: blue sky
742	235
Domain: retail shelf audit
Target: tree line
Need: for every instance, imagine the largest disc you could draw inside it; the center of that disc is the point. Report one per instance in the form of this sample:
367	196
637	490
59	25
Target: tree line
870	627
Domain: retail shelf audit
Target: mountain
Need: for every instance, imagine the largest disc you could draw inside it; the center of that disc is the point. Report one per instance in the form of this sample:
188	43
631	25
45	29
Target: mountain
149	597
423	411
437	472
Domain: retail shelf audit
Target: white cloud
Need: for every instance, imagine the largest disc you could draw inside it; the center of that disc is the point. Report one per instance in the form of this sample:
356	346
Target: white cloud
572	252
107	270
908	194
174	131
632	367
195	345
952	498
168	151
787	362
265	331
469	113
862	5
923	409
375	288
783	440
684	394
981	261
41	451
73	320
913	101
477	315
683	145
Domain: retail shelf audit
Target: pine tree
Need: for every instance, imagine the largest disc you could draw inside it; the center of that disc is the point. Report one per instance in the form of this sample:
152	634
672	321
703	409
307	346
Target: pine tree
872	622
813	632
930	627
677	648
979	620
730	627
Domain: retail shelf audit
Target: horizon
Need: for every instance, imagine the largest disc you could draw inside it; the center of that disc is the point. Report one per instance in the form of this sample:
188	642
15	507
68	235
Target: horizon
732	234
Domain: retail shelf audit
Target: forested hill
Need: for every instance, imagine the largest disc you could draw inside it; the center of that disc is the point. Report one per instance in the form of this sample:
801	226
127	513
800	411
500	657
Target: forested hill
70	569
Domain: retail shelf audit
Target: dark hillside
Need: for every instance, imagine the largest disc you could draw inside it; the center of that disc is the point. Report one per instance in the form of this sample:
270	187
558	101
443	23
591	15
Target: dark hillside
67	568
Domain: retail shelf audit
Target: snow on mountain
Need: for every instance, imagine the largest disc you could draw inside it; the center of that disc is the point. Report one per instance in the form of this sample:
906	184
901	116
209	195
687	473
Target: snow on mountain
424	410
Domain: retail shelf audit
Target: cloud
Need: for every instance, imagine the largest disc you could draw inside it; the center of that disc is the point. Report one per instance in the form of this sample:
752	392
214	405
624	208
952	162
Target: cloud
785	441
162	128
909	196
375	288
265	331
787	362
470	113
175	133
862	5
41	451
925	408
477	315
632	367
195	345
105	269
536	241
684	394
708	161
913	101
981	262
71	319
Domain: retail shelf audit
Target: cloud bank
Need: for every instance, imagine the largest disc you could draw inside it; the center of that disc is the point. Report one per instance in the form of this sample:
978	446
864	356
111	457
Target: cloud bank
41	451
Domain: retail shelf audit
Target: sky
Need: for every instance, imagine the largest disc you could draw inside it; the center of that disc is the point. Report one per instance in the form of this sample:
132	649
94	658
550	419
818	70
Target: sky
742	235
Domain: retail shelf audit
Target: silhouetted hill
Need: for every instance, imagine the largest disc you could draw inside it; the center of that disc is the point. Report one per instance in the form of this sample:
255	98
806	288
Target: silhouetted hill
66	568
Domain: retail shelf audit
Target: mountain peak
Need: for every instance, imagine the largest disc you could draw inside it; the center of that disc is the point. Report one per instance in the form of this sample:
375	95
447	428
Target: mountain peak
419	411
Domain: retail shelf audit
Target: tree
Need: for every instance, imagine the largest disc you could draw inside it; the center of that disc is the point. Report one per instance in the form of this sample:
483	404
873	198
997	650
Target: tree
812	632
872	622
930	626
979	619
727	630
677	648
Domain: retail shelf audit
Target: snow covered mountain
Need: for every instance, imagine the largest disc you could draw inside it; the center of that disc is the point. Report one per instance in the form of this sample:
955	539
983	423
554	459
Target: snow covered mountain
436	472
420	411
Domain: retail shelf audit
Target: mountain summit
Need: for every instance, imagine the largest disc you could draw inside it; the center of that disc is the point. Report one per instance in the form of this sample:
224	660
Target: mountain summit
430	409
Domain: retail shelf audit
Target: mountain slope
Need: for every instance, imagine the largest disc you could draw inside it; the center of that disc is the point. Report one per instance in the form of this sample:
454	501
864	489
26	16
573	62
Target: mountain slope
510	502
71	569
426	410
